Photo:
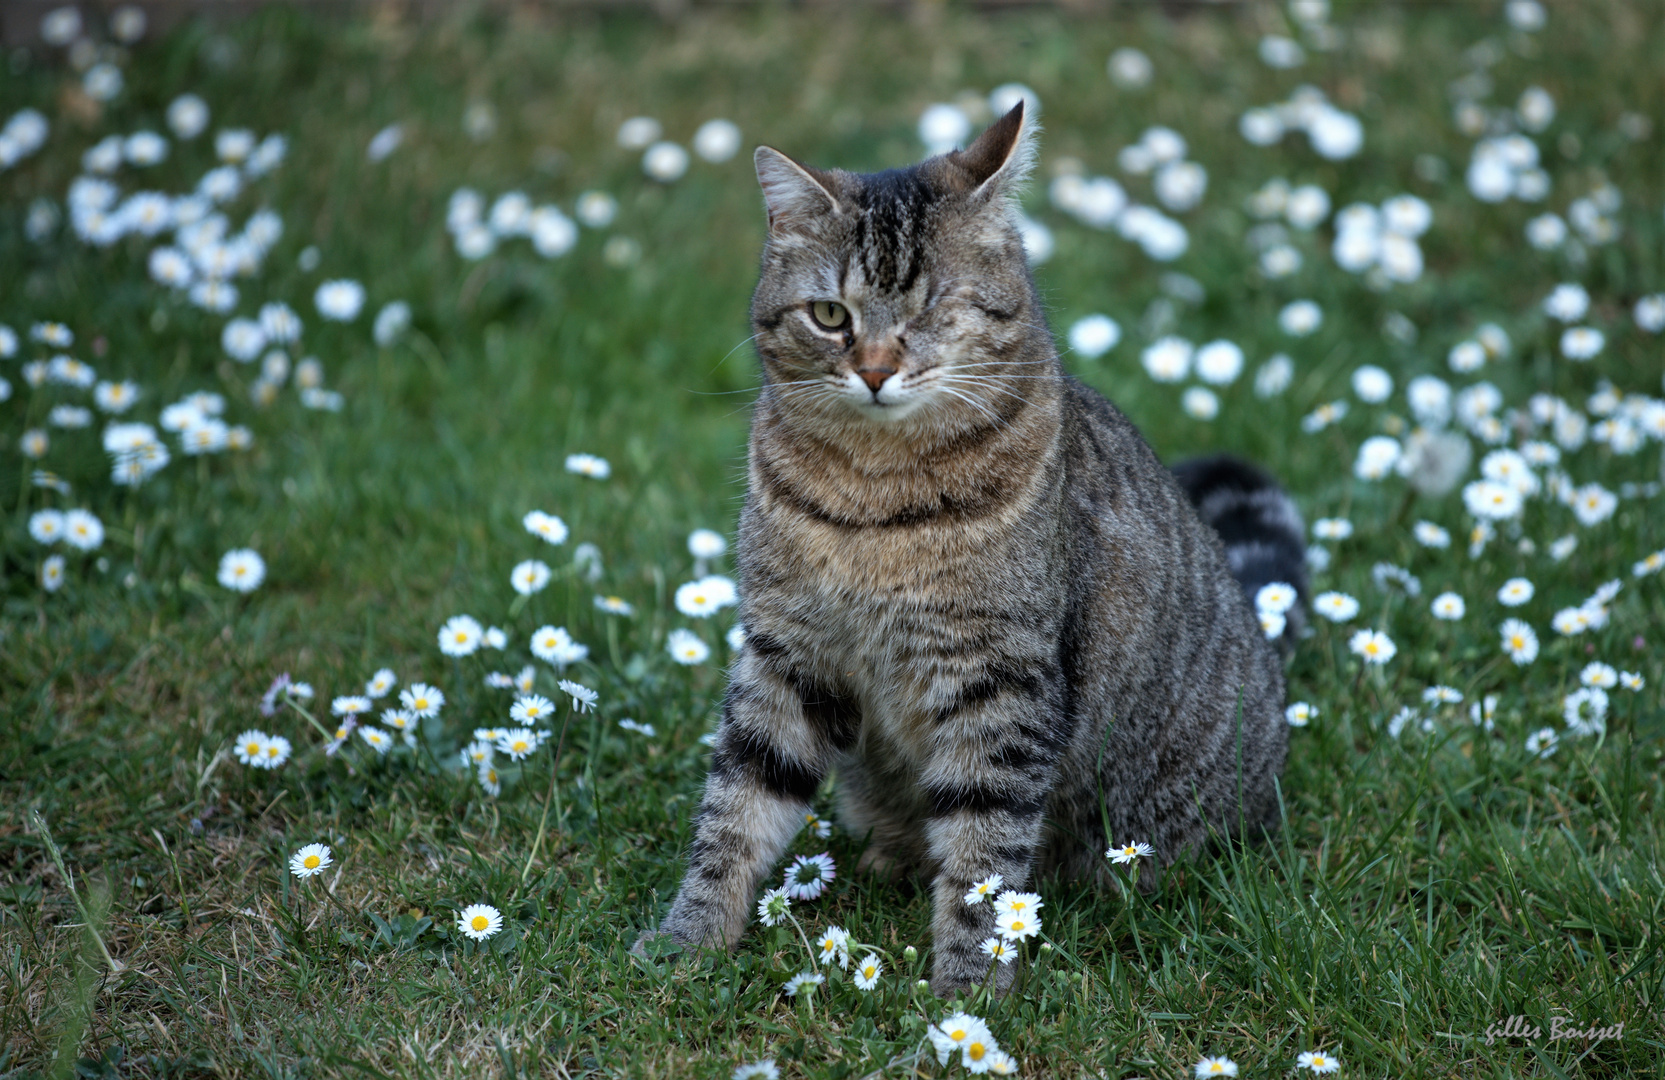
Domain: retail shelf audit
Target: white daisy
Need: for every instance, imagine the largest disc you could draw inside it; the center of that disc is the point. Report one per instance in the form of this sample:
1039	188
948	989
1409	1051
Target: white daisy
547	526
686	647
1128	853
381	683
1335	606
532	709
422	699
984	889
311	859
583	698
242	570
1515	592
866	974
1300	713
808	876
529	577
1372	646
1448	606
479	921
595	468
460	636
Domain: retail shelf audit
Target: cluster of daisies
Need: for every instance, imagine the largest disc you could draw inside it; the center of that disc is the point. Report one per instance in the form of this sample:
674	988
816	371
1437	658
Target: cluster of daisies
204	243
477	229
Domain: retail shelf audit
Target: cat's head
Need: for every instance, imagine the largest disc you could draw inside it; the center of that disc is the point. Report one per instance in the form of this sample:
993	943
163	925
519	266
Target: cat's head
900	298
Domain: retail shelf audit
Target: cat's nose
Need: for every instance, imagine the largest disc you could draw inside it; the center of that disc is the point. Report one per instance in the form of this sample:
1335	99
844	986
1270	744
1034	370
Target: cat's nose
875	376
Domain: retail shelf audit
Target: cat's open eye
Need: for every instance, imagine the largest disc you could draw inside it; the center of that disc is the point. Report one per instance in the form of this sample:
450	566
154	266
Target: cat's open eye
829	314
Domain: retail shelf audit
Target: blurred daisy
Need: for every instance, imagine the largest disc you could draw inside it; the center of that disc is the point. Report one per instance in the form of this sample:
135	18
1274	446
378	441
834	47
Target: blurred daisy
242	570
518	743
1216	1066
1448	606
803	983
1300	318
529	577
422	699
614	605
1430	535
717	140
1631	680
1167	360
1372	646
250	748
1442	695
1094	335
1542	742
686	647
1515	592
758	1070
553	645
479	921
1520	642
532	709
1332	528
381	683
1300	714
1335	606
583	698
340	300
981	890
46	526
377	739
350	705
955	1033
460	636
311	859
488	779
595	468
1599	676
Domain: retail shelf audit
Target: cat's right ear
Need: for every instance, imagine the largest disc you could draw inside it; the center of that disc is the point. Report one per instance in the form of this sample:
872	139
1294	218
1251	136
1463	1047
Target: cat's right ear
794	194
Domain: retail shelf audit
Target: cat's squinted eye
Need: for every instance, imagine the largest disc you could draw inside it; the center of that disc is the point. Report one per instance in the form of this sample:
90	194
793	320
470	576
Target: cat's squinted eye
830	315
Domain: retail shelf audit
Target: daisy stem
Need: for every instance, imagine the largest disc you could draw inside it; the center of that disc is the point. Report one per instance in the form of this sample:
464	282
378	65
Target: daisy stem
554	794
293	704
811	952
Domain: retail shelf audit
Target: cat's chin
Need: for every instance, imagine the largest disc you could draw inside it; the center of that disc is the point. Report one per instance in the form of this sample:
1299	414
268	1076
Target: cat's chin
890	412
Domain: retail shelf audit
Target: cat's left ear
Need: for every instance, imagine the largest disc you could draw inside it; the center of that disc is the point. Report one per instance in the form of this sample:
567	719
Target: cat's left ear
999	161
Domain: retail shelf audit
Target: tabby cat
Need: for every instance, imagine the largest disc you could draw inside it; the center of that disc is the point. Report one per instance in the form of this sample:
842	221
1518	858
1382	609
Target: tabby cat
967	583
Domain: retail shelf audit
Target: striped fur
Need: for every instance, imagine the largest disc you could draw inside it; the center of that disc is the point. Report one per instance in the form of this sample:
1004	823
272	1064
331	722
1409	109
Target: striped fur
974	591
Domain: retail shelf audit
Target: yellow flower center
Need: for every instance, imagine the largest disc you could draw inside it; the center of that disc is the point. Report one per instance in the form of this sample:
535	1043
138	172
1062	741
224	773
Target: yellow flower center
957	1034
480	923
1018	905
1017	925
976	1051
868	972
311	862
253	748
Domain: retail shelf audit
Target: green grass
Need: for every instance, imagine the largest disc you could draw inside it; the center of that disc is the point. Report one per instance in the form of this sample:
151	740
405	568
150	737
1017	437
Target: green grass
1422	889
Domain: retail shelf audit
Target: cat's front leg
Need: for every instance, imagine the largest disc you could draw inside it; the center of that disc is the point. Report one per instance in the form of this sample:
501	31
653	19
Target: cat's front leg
775	742
998	748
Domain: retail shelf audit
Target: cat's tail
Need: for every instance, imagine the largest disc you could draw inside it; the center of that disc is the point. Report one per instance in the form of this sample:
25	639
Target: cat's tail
1259	525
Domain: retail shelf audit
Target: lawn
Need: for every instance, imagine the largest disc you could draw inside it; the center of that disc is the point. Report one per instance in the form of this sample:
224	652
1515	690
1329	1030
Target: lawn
1473	828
